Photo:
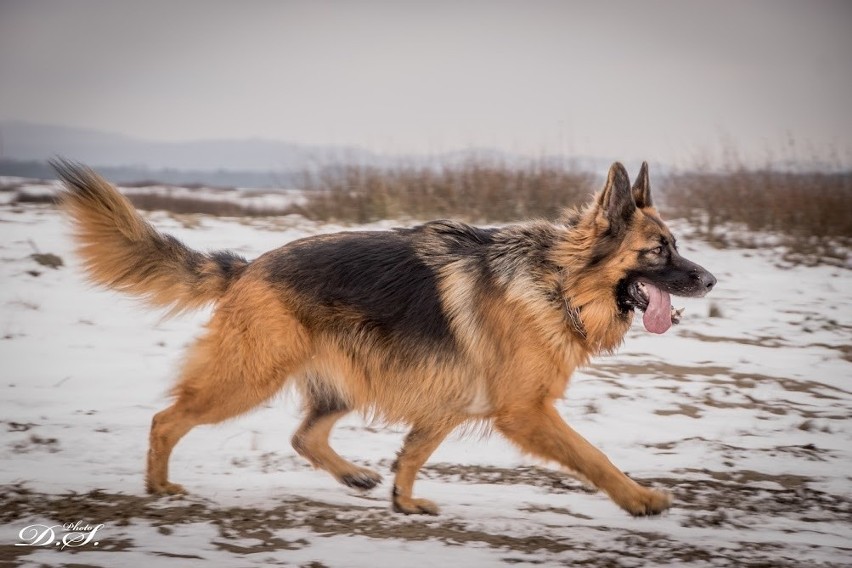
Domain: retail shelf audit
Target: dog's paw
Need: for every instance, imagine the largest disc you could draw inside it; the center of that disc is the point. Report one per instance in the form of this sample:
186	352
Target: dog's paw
647	502
412	506
166	488
361	479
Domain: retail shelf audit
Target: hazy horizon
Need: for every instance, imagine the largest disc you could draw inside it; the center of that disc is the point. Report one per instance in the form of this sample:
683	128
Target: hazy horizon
675	82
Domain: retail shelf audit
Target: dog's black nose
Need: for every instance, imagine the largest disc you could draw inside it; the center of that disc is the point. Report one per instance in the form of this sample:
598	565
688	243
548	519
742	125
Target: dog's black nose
704	281
707	280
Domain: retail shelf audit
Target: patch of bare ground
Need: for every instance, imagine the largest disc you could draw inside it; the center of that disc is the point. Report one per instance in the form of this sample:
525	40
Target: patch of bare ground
730	453
555	481
712	499
715	375
741	499
763	341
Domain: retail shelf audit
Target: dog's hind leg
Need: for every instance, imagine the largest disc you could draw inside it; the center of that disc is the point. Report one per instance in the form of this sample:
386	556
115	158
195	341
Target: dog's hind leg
216	400
324	409
208	393
540	431
419	444
243	360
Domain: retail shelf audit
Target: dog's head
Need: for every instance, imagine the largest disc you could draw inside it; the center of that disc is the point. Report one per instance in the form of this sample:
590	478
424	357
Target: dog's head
638	254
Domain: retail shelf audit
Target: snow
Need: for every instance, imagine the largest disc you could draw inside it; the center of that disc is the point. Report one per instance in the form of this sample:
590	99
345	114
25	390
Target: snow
744	417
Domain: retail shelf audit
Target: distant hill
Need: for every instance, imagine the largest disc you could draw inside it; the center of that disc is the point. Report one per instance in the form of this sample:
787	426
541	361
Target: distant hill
26	141
139	175
25	148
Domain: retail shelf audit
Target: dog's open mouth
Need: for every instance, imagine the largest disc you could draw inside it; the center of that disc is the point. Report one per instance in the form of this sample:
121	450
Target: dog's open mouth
659	314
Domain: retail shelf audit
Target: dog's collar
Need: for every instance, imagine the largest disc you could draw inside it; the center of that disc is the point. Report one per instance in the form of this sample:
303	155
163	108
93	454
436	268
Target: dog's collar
572	317
570	313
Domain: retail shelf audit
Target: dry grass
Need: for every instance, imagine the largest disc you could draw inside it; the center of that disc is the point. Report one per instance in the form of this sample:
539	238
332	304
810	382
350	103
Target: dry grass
475	191
25	197
188	205
804	204
808	212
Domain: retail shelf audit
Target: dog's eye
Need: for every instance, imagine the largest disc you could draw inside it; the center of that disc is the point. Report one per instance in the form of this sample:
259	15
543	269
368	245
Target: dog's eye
656	251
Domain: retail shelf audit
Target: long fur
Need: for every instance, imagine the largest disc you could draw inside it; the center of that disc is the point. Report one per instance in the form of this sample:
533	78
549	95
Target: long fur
438	326
121	250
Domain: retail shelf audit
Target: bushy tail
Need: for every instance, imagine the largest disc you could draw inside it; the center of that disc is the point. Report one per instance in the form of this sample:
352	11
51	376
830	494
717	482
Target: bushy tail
121	250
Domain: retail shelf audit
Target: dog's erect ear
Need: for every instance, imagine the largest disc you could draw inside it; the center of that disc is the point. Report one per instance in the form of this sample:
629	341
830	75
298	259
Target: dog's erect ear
642	188
616	201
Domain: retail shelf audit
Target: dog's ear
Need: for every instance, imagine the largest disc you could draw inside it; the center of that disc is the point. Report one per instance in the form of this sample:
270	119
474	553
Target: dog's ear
642	188
616	201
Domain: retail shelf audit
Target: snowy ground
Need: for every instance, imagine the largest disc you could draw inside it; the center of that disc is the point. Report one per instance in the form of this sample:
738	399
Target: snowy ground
746	417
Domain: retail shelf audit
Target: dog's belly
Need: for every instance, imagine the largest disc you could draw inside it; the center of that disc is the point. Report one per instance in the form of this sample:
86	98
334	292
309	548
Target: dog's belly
403	393
480	403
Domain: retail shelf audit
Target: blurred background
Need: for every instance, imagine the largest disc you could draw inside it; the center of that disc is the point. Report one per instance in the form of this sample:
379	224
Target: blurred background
489	111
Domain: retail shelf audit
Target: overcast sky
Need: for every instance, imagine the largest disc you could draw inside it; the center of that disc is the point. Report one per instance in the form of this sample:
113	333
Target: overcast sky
667	81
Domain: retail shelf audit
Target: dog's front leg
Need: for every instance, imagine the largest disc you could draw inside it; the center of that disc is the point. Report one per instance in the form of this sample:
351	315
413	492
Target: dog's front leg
540	431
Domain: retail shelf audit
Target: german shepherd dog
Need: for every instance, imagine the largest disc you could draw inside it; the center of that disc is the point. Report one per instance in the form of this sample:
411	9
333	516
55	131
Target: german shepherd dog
434	327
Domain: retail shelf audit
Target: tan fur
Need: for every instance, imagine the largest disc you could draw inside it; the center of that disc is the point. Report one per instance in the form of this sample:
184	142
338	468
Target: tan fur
121	250
514	356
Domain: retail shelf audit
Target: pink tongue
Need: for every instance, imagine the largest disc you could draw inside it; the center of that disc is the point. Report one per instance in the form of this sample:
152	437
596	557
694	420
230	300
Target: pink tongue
658	315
